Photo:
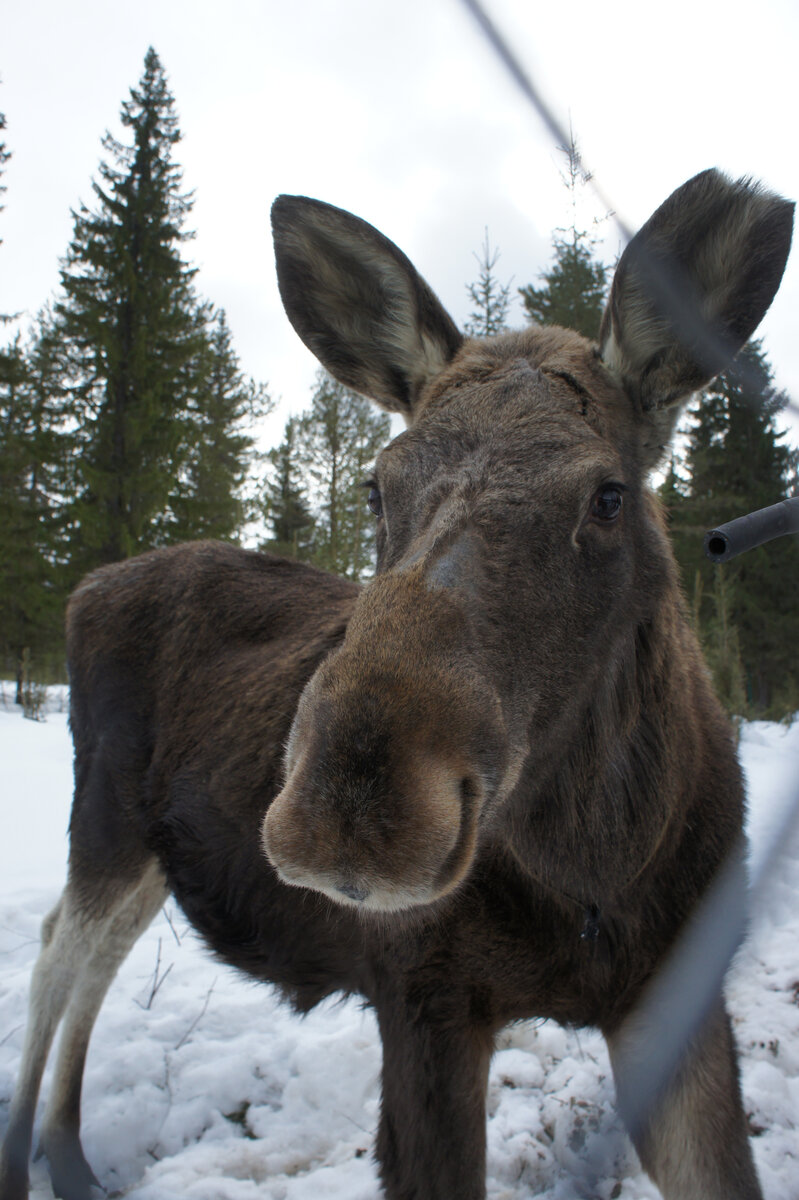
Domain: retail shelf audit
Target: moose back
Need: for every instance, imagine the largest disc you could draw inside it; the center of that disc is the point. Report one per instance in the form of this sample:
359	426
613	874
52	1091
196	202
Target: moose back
492	784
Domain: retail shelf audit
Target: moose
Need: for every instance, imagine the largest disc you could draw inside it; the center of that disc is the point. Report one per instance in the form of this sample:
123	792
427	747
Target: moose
491	784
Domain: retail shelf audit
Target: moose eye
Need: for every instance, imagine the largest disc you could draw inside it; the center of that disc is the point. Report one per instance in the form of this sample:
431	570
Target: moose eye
606	504
374	499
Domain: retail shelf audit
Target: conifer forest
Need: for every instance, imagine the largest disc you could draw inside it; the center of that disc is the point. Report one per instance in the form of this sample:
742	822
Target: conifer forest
127	423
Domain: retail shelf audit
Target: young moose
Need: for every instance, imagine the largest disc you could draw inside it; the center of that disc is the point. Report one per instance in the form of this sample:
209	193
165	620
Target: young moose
506	781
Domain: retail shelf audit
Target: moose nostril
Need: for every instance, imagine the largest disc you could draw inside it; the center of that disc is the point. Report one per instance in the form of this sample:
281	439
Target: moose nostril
352	892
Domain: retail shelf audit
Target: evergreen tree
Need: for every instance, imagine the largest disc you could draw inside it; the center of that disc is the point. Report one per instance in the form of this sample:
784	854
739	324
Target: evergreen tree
5	155
339	438
123	422
207	498
572	291
722	644
737	462
131	328
32	474
285	504
490	298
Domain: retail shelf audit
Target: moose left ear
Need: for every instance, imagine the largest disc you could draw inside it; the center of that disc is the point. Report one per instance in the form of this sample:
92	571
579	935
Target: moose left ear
692	287
359	304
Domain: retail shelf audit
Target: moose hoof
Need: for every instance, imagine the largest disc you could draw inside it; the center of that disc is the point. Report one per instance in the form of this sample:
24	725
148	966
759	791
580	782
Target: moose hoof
13	1180
71	1176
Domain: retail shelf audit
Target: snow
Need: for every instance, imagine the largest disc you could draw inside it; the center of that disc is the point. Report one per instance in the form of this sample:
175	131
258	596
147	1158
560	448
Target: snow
200	1084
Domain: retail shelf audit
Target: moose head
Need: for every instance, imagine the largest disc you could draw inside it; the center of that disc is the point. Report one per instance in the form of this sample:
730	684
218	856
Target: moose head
521	554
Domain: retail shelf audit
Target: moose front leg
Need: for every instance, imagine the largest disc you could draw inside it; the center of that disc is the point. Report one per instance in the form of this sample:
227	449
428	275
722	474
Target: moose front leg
432	1137
694	1144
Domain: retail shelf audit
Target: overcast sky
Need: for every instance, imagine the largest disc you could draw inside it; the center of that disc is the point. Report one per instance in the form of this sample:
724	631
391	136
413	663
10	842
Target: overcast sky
400	113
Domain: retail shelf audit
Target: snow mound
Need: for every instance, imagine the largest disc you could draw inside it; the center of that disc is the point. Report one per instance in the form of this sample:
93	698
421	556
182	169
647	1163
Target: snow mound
202	1085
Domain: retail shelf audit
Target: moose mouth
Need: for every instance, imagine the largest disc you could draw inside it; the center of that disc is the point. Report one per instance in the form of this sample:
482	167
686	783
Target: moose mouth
412	853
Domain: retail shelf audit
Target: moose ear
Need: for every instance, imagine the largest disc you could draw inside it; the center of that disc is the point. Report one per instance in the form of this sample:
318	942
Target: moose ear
691	288
358	303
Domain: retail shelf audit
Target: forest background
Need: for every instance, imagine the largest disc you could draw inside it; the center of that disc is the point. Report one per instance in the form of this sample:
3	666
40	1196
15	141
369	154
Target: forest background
126	423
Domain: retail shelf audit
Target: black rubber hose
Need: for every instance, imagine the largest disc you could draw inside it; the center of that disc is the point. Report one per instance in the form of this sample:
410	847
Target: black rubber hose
744	533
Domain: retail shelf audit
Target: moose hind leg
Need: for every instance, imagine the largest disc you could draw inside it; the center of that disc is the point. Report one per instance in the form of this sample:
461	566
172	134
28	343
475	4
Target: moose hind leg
695	1144
80	955
112	937
52	982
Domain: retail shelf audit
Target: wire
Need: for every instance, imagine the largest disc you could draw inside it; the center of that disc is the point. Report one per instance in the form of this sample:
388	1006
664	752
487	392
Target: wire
557	131
671	293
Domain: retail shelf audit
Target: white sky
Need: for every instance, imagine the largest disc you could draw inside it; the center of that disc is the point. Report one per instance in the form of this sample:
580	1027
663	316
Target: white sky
400	113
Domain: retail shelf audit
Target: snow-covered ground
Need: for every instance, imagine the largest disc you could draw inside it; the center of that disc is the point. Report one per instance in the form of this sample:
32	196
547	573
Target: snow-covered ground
200	1084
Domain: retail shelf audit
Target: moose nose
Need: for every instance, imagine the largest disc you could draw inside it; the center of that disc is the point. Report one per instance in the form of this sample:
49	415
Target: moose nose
352	892
398	839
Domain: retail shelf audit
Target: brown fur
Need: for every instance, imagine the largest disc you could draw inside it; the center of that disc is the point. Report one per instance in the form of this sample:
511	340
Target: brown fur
503	758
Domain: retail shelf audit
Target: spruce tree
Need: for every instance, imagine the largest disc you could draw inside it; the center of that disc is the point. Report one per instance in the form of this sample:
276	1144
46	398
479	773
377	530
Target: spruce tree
490	298
5	155
339	437
572	291
33	471
737	462
722	644
285	504
208	499
123	422
131	327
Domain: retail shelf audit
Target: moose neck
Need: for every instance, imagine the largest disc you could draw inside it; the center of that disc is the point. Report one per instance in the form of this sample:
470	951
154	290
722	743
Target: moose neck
602	810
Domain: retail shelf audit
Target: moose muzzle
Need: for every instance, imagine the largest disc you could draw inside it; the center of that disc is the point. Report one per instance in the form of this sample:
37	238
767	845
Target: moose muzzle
397	744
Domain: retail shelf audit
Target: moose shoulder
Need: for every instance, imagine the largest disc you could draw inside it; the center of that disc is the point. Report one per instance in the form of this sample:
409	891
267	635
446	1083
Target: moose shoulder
501	760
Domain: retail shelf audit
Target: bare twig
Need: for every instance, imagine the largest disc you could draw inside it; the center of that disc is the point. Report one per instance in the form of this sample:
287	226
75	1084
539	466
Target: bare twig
158	980
197	1019
169	922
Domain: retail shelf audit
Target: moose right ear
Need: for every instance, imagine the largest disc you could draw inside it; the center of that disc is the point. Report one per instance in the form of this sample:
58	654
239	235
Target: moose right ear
359	304
691	288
